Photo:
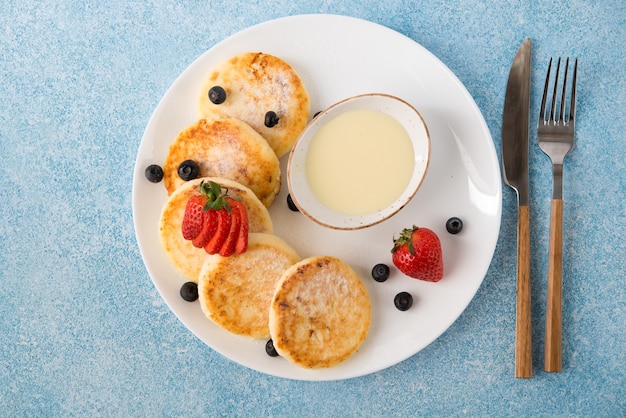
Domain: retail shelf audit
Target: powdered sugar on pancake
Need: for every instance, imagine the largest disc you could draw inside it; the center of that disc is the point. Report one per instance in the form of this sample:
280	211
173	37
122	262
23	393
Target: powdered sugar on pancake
256	83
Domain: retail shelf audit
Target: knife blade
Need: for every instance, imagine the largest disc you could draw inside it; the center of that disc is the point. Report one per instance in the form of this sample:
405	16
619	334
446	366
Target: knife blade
515	118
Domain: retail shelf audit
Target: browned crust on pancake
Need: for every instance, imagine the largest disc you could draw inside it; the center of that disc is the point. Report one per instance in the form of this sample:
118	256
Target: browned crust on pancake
320	313
186	258
256	83
235	292
227	148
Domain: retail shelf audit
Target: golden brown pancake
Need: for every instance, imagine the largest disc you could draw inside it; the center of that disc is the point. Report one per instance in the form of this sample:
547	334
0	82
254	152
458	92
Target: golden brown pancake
235	292
256	83
320	312
227	148
186	258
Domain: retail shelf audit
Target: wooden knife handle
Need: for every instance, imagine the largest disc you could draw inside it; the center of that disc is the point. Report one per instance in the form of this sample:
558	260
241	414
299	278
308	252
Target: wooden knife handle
552	360
523	328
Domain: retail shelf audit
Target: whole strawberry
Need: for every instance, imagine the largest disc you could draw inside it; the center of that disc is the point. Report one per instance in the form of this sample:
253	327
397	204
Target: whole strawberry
417	253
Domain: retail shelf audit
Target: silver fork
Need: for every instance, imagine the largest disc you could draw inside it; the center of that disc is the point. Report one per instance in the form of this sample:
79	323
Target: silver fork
555	135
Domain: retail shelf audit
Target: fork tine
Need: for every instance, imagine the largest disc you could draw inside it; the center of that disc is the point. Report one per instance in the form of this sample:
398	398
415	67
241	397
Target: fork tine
556	82
542	110
572	106
562	109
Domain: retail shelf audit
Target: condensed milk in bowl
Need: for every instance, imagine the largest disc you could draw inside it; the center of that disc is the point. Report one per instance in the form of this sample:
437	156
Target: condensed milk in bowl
359	162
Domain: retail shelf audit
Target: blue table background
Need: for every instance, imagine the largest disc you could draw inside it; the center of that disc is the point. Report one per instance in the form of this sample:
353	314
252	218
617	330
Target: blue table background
84	331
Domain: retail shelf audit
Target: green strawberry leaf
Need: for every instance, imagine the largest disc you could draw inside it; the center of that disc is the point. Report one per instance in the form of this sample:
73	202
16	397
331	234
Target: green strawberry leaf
216	196
405	238
216	189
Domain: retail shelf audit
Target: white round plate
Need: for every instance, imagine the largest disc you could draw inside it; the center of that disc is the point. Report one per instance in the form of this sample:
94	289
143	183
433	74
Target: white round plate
338	57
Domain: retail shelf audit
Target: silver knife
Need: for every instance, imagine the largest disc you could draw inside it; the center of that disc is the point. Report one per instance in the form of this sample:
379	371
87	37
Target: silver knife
515	120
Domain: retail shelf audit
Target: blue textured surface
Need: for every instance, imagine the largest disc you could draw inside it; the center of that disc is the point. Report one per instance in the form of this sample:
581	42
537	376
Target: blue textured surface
84	332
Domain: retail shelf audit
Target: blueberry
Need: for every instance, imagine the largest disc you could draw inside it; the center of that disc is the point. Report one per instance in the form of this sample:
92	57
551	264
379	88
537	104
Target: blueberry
188	170
291	204
217	95
271	119
403	301
380	272
154	173
454	225
270	350
189	291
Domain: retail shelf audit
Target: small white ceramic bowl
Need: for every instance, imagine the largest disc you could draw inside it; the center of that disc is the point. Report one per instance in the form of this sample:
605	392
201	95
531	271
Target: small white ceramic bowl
301	187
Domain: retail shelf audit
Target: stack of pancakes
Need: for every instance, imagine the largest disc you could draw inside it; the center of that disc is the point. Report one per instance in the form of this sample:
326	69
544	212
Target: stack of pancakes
317	310
231	139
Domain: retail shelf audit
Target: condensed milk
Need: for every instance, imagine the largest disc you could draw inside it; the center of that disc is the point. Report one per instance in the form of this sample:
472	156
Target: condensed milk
360	162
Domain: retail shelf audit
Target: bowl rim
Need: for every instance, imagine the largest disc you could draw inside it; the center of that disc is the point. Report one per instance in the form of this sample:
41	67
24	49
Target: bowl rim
380	215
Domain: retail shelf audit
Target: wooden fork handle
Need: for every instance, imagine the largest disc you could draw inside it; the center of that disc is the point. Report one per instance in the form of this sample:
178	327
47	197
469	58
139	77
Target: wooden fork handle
523	329
553	350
